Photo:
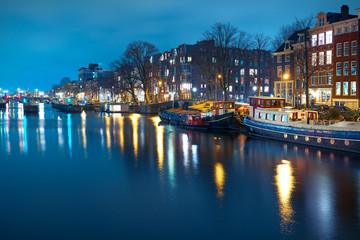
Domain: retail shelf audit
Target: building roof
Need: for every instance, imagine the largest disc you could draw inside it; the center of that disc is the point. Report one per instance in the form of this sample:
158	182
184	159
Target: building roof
292	39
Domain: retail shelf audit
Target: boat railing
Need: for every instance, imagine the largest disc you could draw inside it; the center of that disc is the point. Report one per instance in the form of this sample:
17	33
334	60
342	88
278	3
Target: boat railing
325	122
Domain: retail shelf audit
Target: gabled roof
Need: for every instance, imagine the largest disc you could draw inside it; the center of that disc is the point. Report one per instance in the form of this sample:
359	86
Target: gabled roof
292	39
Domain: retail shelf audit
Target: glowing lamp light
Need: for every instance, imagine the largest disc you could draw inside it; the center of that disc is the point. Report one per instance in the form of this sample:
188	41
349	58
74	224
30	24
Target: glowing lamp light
25	100
194	89
68	100
254	88
286	76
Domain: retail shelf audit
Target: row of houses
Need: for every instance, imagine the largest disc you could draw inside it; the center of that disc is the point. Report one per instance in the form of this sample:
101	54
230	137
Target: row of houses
324	57
329	54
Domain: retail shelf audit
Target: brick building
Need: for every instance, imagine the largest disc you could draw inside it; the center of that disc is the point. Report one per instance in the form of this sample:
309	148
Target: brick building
189	72
346	60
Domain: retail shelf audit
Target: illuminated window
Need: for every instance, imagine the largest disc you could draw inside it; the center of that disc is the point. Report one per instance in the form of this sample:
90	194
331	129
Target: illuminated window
279	71
338	69
213	60
251	72
338	88
346	88
328	78
236	79
321	58
242	71
236	62
321	39
230	88
328	57
353	68
189	59
346	68
338	50
353	88
346	49
313	40
313	59
329	37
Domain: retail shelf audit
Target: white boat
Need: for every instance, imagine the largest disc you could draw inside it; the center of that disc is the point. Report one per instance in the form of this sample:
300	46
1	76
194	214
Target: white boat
269	118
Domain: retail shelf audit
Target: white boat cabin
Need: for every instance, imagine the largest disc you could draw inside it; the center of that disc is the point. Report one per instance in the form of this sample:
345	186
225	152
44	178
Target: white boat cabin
271	110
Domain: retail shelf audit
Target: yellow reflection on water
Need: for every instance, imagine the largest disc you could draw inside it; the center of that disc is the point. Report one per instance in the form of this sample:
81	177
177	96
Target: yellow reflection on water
108	137
219	179
135	124
284	180
121	133
159	141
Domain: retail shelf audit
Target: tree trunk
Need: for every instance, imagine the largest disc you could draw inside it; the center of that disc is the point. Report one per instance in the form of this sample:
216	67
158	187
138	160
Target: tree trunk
147	98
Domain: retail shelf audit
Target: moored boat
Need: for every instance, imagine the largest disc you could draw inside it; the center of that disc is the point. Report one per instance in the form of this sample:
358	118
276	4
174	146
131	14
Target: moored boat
270	119
216	114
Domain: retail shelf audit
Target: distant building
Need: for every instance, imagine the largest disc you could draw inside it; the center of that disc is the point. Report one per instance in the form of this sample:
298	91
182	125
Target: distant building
188	72
97	83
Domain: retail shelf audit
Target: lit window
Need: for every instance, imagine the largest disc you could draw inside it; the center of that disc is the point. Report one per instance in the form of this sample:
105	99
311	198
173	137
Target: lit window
328	57
338	88
328	78
313	40
321	39
346	49
321	58
346	68
236	79
353	88
251	72
346	88
189	59
213	60
279	71
230	88
338	69
313	59
353	68
236	62
329	37
338	50
242	71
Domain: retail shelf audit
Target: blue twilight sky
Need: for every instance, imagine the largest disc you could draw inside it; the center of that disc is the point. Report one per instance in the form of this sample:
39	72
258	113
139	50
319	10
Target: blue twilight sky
42	41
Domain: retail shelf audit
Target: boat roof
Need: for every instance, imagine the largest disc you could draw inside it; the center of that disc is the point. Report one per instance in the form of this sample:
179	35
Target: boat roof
267	98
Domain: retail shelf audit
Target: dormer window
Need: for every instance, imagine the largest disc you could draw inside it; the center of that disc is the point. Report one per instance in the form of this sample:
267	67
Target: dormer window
321	21
287	45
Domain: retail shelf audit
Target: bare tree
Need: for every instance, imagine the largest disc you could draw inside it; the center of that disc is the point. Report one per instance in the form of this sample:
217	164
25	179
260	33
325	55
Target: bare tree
307	69
128	80
138	54
226	38
260	44
283	34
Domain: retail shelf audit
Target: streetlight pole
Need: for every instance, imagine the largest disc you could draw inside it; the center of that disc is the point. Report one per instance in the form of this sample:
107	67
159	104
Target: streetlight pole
219	76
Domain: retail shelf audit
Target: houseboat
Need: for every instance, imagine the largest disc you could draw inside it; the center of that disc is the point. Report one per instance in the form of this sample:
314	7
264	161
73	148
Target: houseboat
215	114
269	118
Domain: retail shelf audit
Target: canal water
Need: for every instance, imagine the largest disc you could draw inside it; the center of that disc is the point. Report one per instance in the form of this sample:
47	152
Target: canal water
115	176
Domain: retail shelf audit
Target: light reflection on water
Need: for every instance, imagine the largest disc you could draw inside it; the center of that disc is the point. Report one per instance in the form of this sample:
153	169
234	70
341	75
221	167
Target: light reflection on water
284	180
163	171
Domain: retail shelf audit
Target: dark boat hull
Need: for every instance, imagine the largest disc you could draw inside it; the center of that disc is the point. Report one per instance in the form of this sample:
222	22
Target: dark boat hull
224	121
338	140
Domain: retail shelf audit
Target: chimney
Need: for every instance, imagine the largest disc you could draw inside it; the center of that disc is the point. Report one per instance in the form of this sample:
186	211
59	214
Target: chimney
344	12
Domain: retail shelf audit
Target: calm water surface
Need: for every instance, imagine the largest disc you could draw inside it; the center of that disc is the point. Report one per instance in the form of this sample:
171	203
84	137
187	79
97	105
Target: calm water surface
98	176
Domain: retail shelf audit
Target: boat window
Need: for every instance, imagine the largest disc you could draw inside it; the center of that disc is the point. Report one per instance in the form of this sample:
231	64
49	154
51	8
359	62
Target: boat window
262	102
271	117
264	116
284	118
275	103
259	102
259	115
282	104
267	103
